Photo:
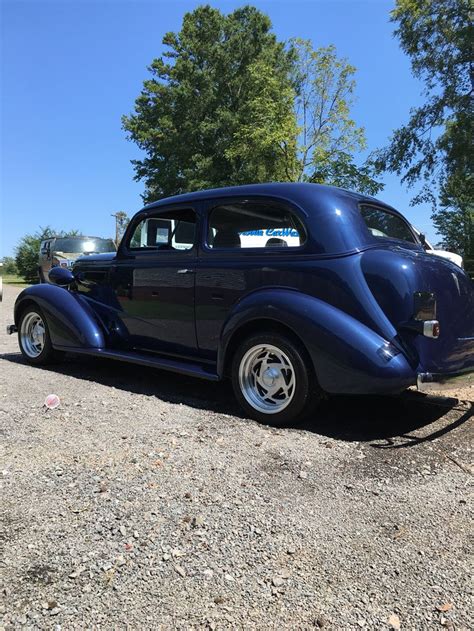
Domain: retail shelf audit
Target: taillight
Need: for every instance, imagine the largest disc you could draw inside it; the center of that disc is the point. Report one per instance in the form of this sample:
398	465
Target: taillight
424	320
431	328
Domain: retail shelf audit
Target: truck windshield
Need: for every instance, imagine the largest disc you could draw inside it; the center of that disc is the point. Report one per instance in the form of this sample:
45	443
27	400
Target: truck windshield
84	245
386	225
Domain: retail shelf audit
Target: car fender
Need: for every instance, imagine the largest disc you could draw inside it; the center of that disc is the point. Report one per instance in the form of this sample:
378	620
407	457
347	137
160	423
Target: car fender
71	321
348	357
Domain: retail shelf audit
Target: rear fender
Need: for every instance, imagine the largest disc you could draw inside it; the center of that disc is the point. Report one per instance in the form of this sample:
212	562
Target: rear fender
71	321
348	357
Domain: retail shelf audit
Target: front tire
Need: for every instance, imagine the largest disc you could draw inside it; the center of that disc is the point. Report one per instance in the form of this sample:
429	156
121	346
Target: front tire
272	379
34	337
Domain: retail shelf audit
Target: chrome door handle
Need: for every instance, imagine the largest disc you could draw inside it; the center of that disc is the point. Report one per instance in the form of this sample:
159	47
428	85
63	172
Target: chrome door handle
185	271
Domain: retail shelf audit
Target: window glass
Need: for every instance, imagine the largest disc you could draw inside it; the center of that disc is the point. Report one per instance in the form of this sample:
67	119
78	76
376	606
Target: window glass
86	245
254	225
385	225
167	231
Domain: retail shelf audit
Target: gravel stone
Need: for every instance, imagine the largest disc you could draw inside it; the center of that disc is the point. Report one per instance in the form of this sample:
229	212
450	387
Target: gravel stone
146	500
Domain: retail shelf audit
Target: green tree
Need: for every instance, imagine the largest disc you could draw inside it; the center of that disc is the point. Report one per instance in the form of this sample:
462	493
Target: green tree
435	147
217	109
328	136
264	144
27	251
9	266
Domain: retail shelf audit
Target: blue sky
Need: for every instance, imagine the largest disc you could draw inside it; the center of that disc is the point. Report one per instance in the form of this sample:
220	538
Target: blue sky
70	70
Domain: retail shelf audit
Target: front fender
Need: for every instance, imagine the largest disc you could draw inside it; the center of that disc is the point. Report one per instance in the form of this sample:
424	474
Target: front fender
71	321
348	356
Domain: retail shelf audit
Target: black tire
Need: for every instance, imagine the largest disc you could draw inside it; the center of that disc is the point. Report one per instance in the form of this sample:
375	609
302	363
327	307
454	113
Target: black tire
47	355
305	391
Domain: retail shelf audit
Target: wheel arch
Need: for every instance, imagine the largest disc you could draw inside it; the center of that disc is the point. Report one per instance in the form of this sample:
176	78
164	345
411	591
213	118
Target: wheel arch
253	327
346	356
70	319
21	307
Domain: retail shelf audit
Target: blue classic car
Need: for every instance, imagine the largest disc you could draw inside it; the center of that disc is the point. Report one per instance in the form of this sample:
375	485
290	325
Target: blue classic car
291	290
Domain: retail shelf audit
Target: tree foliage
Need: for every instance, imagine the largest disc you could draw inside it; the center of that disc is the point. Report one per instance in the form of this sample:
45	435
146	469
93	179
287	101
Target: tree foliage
217	108
8	266
264	143
435	146
228	104
328	136
27	251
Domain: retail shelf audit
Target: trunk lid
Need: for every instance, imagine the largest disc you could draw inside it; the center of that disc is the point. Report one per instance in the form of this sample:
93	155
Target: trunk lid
454	349
394	274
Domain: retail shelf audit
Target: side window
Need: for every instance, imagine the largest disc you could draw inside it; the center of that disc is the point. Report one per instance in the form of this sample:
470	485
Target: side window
385	225
254	224
169	230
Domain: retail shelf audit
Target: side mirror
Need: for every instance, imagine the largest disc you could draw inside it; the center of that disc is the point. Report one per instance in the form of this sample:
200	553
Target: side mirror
61	276
422	238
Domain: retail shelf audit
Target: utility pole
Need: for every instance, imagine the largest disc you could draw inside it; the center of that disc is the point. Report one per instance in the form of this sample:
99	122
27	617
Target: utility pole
121	222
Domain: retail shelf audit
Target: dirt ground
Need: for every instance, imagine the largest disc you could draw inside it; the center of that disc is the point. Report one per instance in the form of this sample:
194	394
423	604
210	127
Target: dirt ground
147	501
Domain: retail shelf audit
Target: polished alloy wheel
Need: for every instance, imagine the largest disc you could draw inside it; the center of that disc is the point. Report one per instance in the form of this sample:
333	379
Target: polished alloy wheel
267	379
32	334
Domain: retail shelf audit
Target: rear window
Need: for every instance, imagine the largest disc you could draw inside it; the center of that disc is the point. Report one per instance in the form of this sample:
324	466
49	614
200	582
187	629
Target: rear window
385	225
254	224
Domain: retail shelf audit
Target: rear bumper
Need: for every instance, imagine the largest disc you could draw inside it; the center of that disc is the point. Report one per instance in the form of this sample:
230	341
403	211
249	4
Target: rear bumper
431	381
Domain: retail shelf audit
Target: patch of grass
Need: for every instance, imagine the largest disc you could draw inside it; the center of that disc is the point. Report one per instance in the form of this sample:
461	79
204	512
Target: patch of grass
12	279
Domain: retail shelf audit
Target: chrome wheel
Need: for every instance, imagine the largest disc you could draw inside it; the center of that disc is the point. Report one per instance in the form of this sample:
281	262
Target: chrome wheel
267	379
32	334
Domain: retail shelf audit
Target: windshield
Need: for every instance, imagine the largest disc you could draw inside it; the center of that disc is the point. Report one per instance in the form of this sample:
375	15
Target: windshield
84	245
385	225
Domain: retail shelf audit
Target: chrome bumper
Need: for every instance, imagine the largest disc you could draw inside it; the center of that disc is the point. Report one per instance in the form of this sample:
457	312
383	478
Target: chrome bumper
432	381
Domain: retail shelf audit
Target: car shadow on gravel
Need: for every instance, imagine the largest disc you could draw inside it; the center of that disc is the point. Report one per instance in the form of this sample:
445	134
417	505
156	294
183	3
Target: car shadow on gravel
371	418
346	418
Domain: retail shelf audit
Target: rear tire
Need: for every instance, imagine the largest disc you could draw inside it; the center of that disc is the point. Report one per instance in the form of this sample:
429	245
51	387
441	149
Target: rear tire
273	380
34	338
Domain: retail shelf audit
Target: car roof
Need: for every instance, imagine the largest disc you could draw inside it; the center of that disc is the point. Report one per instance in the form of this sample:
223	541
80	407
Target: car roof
297	192
334	223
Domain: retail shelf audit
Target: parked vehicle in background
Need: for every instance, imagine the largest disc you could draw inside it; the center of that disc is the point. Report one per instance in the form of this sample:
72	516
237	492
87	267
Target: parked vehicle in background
63	252
292	290
445	254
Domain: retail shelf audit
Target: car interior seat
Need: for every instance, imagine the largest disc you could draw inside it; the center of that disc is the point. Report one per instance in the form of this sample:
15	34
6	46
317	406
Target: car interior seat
275	242
226	239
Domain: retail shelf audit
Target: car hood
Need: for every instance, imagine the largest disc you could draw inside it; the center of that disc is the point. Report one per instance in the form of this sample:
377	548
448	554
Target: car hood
70	256
100	258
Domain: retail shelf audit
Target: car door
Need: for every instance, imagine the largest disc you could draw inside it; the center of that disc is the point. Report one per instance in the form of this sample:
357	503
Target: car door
153	281
248	244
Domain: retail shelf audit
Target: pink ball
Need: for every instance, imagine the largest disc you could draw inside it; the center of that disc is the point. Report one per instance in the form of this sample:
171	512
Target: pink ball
52	401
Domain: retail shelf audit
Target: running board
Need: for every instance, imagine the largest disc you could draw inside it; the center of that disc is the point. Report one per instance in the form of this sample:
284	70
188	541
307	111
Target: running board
161	363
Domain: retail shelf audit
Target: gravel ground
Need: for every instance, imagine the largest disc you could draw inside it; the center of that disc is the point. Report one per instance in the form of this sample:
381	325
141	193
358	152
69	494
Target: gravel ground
147	501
